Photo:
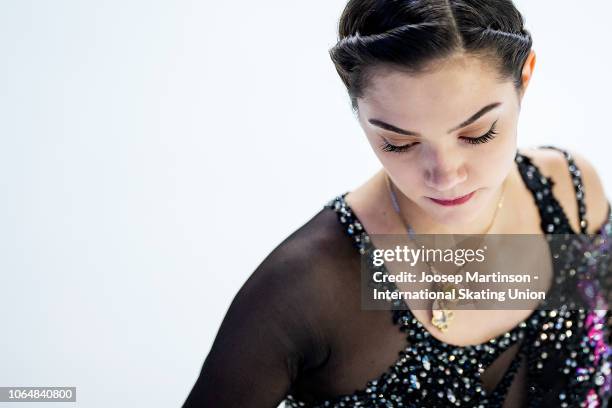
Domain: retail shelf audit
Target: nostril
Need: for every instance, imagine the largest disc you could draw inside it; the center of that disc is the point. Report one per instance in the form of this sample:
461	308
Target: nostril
444	180
444	184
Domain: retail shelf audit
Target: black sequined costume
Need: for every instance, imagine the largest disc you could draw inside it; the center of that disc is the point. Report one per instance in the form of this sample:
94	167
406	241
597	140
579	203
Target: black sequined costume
296	331
567	351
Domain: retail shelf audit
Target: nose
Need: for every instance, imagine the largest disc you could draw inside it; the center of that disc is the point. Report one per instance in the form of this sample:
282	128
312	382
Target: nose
444	171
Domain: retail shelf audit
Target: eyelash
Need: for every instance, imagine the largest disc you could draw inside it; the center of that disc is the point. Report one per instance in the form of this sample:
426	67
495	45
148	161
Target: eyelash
487	137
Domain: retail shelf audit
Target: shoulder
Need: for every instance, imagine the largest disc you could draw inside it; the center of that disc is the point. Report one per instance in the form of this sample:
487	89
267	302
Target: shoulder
301	276
282	313
552	163
288	301
310	250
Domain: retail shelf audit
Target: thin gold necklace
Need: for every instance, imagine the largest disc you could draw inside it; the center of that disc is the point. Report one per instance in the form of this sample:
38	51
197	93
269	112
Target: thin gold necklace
442	315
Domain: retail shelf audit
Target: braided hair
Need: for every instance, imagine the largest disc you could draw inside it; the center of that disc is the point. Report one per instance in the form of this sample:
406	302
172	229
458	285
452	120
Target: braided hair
408	35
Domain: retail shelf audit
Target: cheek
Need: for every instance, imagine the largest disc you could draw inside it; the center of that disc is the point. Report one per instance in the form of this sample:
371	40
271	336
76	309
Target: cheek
395	163
491	167
486	165
496	156
405	173
484	172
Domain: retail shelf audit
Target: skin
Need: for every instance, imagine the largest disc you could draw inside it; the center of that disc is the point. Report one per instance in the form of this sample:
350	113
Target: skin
443	165
439	164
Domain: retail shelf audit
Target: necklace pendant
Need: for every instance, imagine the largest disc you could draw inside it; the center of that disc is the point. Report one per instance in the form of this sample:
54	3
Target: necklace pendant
441	316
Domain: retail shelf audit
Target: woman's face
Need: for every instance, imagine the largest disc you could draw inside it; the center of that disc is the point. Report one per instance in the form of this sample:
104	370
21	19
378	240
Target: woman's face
420	127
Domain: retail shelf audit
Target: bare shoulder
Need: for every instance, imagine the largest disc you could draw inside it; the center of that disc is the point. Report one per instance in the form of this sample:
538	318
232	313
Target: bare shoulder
553	164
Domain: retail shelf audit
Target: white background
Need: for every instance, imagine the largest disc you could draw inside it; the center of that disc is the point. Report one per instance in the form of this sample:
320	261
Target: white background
153	153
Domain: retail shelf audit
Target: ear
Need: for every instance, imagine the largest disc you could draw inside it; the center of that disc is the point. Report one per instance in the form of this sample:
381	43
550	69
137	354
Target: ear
528	68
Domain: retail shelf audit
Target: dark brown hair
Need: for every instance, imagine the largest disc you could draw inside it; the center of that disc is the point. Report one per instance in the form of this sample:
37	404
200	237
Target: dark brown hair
410	34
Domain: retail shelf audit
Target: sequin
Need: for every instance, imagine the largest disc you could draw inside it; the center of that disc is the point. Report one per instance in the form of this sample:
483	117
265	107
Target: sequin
433	373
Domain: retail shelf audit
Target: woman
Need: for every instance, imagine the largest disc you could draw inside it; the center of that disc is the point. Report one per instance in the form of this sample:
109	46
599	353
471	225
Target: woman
437	88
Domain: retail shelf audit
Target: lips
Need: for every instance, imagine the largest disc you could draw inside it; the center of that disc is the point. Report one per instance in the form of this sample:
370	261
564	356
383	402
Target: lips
455	201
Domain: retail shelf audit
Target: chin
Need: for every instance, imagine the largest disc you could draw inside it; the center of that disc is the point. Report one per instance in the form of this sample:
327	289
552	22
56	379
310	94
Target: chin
457	219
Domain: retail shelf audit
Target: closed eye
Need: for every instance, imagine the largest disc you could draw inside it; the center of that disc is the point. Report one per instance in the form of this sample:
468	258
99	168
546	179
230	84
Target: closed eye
490	135
487	137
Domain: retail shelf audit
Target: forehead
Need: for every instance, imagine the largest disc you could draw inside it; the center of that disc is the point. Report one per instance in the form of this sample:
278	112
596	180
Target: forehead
449	91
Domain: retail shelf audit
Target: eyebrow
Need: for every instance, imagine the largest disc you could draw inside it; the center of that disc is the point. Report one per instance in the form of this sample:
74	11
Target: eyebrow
470	120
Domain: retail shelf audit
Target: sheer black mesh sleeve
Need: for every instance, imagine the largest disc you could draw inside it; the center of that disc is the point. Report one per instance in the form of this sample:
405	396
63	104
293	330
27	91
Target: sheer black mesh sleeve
271	332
